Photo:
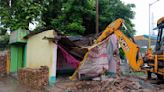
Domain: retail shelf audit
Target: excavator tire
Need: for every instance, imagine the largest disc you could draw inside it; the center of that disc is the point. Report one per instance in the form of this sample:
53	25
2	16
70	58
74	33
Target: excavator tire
160	77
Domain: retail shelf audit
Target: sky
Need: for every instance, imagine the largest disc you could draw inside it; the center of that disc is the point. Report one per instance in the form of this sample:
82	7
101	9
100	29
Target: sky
141	19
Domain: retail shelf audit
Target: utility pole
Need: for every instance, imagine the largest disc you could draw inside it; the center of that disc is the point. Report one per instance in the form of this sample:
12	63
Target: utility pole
149	46
97	17
152	23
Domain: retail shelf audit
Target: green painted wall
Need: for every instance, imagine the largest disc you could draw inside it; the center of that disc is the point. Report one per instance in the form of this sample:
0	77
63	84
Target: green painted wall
17	57
20	57
18	49
13	61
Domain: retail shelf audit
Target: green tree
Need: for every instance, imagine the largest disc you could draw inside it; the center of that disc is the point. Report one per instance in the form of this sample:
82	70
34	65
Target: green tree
110	10
68	16
75	17
19	13
4	39
78	16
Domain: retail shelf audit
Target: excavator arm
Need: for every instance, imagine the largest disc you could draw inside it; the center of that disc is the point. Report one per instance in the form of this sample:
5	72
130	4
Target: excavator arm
110	29
131	51
129	47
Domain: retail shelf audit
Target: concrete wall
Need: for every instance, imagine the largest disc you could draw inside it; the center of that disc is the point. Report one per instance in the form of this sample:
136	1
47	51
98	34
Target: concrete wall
42	52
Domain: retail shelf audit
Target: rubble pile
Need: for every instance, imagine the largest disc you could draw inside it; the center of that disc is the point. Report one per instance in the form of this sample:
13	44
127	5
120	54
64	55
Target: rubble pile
34	78
3	62
110	85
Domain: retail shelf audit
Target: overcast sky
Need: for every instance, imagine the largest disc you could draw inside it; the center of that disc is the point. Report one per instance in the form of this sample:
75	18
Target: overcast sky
141	19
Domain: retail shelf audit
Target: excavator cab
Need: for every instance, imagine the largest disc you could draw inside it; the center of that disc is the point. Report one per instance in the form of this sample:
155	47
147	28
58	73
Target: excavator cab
160	38
157	57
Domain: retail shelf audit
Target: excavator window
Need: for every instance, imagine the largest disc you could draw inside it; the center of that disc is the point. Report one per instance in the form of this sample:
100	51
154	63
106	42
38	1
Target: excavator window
162	40
160	37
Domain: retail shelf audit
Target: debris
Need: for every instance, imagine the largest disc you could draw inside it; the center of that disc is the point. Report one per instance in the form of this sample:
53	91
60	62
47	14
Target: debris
34	78
119	84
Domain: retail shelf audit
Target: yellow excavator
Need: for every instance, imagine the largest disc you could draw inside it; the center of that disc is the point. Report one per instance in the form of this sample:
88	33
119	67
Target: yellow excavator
129	47
154	61
151	62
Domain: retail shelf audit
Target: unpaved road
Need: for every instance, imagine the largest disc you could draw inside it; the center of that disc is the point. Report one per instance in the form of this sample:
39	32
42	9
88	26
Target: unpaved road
8	84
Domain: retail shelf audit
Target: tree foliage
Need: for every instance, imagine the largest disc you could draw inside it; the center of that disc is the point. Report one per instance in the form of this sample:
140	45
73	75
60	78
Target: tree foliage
4	39
19	13
75	16
68	16
110	10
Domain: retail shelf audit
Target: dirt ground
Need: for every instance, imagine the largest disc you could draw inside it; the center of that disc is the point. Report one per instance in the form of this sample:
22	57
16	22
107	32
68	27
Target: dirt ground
123	84
63	84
